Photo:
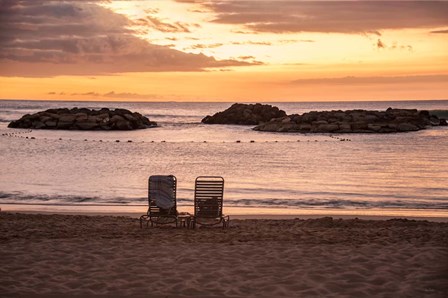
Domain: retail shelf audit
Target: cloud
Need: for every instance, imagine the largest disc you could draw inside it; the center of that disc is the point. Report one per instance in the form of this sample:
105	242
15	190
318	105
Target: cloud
395	46
129	95
258	43
380	44
88	94
440	31
286	16
243	32
113	94
206	46
246	57
56	93
286	41
198	10
48	38
156	23
352	80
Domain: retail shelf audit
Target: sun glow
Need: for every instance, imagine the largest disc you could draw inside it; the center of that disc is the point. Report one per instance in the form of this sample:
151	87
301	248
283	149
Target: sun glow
235	61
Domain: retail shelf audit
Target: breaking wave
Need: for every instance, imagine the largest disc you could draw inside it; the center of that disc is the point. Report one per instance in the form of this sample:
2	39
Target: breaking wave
67	200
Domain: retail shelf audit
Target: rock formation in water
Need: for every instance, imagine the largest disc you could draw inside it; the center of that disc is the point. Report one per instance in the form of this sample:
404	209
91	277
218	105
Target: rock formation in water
245	114
354	121
84	119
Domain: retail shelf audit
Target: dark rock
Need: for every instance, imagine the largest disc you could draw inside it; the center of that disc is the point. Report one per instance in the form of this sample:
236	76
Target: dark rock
290	126
359	125
129	117
123	125
434	120
441	114
386	129
115	118
84	119
245	114
270	126
345	128
122	112
354	121
44	118
424	113
88	124
38	125
65	121
62	111
374	127
326	128
305	127
406	127
51	124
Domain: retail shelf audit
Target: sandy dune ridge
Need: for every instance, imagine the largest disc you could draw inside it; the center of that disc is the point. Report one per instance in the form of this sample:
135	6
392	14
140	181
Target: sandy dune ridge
45	255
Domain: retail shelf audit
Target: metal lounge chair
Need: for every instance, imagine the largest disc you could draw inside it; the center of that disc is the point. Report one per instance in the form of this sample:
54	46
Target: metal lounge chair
208	202
162	203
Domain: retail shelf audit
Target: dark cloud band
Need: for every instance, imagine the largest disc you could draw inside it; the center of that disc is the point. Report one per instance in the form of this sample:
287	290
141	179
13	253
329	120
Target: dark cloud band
47	38
328	16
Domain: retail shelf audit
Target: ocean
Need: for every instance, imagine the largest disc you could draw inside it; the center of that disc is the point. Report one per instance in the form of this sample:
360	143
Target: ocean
285	172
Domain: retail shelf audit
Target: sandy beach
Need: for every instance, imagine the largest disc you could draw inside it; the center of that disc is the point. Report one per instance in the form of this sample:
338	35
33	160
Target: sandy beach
79	255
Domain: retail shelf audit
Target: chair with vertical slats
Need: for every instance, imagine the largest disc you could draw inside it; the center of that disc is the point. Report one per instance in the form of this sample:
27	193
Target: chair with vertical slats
208	202
162	203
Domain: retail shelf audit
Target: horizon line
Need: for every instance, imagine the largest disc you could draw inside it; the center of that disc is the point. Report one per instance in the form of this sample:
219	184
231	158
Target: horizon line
237	101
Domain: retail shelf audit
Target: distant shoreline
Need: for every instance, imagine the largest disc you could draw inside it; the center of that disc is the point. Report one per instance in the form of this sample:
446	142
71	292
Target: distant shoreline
224	102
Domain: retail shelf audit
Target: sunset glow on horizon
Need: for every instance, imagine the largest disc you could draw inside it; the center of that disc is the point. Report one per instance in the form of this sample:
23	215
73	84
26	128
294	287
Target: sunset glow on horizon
198	50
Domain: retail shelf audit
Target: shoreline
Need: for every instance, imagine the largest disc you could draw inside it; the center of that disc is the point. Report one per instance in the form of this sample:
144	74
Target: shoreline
238	212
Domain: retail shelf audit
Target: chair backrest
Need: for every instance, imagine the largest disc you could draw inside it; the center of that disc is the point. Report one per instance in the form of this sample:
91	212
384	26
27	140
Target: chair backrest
208	196
162	195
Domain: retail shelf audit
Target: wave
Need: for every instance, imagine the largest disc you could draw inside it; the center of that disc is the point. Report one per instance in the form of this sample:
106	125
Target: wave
200	116
20	198
338	204
68	200
20	106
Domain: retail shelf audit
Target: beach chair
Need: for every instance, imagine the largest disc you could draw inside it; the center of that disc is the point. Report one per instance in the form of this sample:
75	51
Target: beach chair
162	203
208	202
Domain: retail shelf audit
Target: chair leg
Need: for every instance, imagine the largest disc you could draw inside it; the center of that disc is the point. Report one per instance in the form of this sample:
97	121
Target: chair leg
142	218
227	221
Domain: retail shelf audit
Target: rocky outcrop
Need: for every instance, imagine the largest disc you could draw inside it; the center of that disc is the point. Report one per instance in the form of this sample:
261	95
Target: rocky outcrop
84	119
245	114
354	121
442	114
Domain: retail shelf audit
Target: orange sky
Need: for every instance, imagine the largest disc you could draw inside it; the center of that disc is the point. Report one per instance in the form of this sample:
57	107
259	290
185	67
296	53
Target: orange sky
197	50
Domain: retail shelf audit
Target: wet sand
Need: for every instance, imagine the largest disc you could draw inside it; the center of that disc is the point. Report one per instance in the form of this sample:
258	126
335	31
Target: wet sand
81	255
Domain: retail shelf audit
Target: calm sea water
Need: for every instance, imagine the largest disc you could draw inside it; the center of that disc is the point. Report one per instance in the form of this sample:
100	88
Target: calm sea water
76	168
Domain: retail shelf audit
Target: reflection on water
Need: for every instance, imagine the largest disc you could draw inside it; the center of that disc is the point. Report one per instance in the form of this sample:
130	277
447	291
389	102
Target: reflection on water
407	171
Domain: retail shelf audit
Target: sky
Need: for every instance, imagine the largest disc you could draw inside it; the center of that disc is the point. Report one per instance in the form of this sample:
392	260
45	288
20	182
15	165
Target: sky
200	50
